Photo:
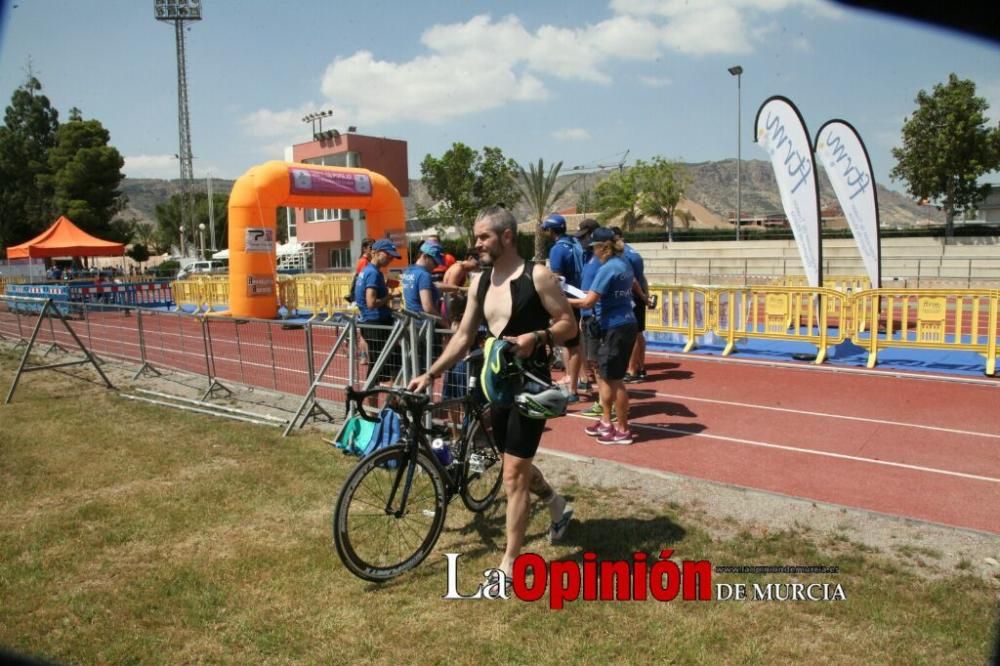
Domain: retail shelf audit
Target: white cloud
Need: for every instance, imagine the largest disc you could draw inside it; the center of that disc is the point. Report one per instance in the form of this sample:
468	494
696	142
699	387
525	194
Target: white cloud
715	30
654	81
265	123
485	63
431	89
571	134
151	166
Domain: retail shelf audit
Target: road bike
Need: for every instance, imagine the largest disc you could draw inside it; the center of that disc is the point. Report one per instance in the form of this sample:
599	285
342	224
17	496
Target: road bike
392	507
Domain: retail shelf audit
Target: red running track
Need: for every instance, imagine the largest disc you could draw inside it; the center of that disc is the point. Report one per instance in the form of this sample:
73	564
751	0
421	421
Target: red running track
914	447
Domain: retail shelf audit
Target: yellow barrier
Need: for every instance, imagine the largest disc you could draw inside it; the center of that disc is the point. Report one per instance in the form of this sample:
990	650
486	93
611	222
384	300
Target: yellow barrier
4	281
288	293
680	309
799	314
959	319
187	292
311	296
339	285
850	283
215	291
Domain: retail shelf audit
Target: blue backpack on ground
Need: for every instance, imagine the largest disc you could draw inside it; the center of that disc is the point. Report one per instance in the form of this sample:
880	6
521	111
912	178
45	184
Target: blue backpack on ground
361	437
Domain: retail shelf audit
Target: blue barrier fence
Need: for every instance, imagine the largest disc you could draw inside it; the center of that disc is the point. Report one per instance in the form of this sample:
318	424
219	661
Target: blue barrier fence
65	296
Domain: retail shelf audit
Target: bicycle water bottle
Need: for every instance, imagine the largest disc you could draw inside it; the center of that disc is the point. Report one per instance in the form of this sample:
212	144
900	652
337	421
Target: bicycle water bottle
442	451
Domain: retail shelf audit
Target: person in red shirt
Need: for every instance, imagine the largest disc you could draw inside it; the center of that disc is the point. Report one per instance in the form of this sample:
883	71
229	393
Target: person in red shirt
449	259
366	254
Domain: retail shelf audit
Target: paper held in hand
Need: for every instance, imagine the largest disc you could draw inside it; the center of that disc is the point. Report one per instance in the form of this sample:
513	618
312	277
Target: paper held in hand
569	289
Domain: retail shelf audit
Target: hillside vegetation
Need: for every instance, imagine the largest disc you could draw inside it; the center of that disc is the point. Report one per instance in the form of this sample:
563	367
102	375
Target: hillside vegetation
710	196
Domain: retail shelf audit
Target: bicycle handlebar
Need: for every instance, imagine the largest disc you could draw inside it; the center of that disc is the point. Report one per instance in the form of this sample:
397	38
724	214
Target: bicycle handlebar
412	402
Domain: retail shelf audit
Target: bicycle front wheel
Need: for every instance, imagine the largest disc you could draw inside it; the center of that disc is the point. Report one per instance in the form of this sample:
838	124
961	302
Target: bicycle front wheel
377	536
483	469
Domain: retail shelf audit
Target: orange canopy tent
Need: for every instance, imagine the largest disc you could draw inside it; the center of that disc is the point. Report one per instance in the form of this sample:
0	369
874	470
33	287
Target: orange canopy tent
65	239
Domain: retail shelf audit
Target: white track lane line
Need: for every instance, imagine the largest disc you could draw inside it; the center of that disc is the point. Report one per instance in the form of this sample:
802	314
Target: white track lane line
795	449
749	405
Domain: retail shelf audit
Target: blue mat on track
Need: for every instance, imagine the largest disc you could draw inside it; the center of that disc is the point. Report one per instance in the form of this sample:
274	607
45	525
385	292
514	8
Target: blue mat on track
846	354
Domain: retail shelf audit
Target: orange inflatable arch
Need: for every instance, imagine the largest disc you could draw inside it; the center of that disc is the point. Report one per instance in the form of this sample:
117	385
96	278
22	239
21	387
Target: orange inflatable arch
253	206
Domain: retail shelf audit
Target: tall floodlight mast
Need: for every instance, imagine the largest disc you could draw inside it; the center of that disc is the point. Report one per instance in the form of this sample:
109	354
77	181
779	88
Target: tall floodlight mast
178	12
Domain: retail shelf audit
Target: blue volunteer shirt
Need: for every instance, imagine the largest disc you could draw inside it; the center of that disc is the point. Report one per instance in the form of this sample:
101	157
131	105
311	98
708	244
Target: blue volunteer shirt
613	283
416	279
590	269
372	278
638	266
562	261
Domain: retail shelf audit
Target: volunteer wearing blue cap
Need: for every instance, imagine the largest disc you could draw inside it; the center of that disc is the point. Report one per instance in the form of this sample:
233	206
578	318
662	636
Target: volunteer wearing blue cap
612	289
566	261
372	297
420	294
640	298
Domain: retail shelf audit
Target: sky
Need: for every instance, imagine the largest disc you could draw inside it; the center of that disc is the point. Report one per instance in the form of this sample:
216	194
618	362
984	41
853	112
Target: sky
589	83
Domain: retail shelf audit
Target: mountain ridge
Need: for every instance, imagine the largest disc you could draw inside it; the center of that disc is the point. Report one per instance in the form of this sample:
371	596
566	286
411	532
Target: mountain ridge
712	189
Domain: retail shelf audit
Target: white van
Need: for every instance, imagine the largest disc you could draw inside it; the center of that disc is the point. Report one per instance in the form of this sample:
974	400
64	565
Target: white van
201	266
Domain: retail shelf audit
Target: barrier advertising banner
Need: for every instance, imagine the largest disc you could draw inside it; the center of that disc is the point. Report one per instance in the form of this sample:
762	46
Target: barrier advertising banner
780	130
842	153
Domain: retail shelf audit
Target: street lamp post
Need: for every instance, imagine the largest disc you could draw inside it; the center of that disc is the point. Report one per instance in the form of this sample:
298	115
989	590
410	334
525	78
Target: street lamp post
201	238
183	253
737	71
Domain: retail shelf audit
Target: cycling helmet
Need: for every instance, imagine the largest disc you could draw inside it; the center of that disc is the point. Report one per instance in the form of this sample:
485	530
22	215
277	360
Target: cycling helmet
501	377
541	402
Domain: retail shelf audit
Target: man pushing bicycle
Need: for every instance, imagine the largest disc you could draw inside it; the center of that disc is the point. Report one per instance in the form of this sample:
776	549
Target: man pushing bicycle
521	303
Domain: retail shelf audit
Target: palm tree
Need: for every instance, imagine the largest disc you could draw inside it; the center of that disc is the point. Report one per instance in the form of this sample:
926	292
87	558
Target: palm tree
538	188
619	196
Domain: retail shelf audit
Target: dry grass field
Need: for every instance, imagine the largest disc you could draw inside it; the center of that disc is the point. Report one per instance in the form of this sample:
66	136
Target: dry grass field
133	534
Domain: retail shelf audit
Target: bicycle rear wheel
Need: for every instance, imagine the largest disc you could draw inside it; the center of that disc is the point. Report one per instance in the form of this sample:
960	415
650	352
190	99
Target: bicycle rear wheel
373	542
483	469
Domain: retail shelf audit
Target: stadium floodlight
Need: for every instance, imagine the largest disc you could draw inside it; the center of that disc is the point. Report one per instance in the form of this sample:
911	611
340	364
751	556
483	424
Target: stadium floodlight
737	71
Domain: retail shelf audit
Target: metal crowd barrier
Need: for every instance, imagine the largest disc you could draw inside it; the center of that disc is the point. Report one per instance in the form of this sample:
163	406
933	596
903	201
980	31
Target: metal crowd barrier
321	359
682	310
801	314
951	319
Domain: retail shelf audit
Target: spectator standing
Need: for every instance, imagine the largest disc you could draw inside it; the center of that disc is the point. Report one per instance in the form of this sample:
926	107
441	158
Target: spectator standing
590	329
449	259
640	298
366	255
421	295
566	261
372	297
612	287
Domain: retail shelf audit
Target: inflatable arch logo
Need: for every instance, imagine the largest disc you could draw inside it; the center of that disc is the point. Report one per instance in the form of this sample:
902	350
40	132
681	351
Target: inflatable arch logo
253	207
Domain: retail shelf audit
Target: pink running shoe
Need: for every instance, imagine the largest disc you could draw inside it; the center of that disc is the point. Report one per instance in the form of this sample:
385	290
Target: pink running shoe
615	437
599	429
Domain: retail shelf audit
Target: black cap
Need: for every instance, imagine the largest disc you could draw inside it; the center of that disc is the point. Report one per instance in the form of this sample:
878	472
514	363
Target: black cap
587	226
602	235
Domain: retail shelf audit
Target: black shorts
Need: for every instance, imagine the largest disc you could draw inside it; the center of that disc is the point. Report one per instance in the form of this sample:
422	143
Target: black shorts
639	310
515	433
575	340
616	348
376	339
590	331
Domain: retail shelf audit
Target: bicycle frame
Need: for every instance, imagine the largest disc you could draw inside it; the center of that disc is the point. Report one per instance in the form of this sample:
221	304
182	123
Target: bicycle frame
414	407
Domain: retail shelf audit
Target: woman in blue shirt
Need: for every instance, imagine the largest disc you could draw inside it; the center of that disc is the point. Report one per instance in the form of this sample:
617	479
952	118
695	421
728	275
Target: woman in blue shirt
421	295
611	290
372	297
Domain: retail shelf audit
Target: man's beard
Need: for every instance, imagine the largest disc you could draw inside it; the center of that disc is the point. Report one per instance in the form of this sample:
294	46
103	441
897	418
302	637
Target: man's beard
488	257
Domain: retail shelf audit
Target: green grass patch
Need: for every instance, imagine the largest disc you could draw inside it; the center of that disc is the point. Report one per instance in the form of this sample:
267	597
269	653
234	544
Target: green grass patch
137	534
